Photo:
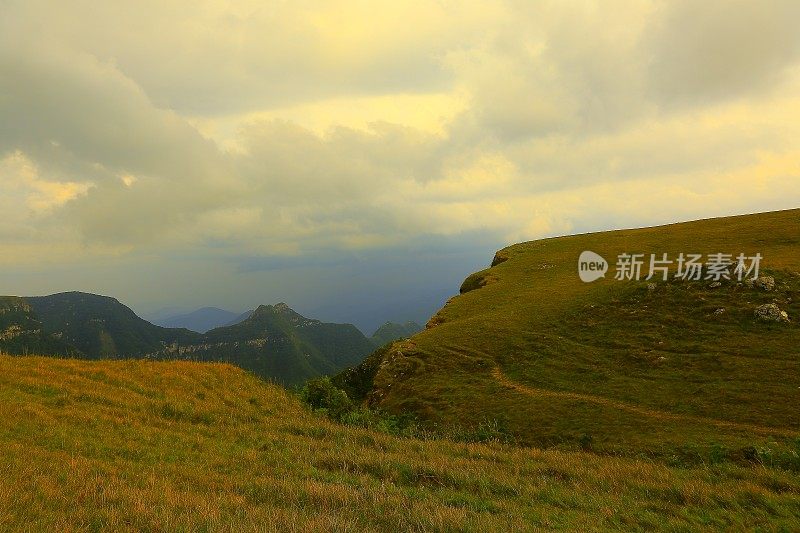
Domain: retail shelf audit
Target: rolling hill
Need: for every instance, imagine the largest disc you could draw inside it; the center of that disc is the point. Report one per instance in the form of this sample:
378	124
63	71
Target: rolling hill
678	369
182	446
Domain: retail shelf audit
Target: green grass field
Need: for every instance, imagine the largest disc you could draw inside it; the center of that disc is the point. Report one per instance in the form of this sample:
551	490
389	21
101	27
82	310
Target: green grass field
176	446
616	366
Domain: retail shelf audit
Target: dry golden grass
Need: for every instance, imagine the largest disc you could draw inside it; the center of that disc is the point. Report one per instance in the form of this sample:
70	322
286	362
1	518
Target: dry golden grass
178	446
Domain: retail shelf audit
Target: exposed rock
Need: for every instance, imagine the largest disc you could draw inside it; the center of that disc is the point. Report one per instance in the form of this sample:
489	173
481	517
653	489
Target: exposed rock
651	286
766	283
715	285
12	332
438	318
719	311
771	313
500	257
477	280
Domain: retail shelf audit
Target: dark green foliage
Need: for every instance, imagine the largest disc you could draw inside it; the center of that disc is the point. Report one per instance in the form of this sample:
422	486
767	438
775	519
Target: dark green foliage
21	331
324	396
321	394
357	381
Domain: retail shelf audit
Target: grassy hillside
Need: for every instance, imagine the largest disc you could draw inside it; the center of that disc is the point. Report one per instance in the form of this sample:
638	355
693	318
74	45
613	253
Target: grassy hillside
681	370
181	446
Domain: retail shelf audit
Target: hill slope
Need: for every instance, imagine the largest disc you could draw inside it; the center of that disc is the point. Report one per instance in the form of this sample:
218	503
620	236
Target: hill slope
177	446
21	331
671	369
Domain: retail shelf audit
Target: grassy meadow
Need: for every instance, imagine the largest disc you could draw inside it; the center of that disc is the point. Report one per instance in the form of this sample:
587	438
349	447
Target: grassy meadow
177	446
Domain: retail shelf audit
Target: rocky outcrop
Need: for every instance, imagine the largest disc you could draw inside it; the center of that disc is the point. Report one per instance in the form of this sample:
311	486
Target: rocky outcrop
771	313
765	283
500	257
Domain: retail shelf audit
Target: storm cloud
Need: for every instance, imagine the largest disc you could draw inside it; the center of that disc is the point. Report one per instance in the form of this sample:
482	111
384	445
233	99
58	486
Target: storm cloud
245	143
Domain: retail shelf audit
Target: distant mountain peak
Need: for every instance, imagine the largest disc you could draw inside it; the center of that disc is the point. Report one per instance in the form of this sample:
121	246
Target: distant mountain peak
200	320
283	310
391	331
262	311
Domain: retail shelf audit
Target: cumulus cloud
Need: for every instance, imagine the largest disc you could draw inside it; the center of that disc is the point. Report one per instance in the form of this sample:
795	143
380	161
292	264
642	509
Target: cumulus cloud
283	133
721	49
38	196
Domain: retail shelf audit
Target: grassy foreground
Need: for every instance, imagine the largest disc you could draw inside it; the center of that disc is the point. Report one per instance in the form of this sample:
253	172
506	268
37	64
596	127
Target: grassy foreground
189	446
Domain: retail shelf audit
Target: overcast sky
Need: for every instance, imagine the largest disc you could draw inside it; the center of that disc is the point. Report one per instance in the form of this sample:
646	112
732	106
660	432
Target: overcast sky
357	159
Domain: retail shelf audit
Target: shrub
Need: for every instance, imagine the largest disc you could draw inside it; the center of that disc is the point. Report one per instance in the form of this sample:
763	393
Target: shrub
324	397
321	394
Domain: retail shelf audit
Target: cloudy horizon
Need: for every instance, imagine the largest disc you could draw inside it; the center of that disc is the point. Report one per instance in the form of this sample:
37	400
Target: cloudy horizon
358	159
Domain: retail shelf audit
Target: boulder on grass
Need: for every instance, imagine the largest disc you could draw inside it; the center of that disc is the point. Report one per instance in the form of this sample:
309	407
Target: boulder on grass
771	313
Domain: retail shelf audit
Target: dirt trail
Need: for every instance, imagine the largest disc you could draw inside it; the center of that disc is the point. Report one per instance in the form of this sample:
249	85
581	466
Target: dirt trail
642	411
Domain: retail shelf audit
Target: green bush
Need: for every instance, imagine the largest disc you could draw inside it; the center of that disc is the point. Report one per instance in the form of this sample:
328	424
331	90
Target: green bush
325	398
321	394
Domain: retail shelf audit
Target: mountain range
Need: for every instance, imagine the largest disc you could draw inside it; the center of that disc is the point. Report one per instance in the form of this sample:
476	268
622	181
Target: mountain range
274	342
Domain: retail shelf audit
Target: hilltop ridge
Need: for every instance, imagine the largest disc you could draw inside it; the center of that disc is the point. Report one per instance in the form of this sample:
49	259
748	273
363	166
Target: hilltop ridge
621	366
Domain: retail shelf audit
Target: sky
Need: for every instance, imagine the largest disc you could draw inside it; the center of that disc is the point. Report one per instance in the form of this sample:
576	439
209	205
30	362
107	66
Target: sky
357	159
